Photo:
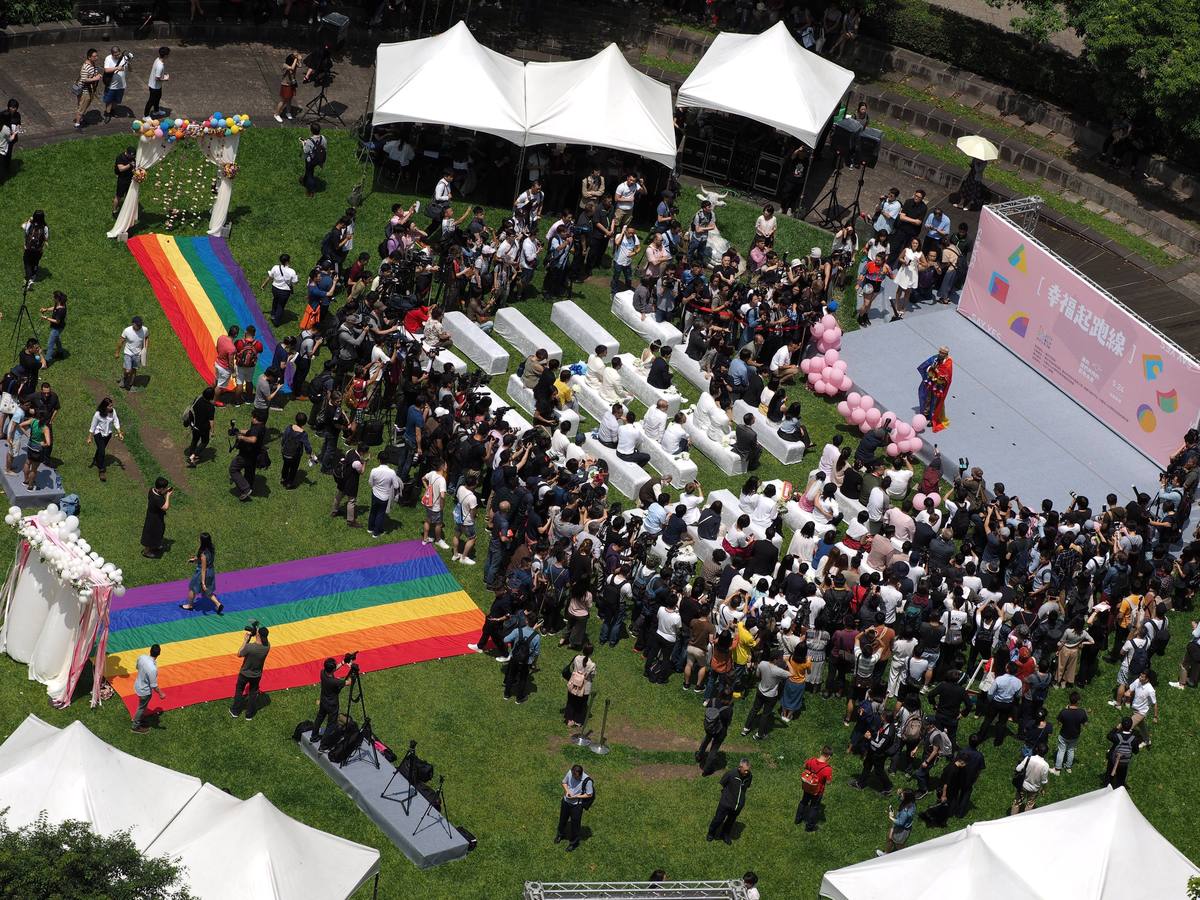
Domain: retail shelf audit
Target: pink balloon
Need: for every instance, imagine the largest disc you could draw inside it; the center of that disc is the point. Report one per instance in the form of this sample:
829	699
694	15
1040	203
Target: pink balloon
919	423
902	431
864	427
843	409
830	357
916	444
873	416
858	416
819	385
841	365
827	373
814	377
854	399
828	320
836	331
893	450
831	389
804	365
919	501
936	498
818	330
867	401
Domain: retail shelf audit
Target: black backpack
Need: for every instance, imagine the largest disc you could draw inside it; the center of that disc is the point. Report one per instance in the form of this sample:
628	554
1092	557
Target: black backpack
1139	662
35	238
712	721
1162	637
318	151
520	650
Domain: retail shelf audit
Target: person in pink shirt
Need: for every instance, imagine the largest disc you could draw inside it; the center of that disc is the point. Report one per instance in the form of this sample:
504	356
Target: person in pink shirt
225	365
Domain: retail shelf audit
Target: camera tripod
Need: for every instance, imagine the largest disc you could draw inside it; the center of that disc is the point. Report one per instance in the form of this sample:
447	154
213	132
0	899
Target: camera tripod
410	758
320	107
437	806
354	695
832	214
855	208
24	315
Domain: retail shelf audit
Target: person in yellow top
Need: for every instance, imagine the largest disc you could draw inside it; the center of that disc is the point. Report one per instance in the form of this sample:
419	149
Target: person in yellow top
1129	616
566	396
743	650
798	666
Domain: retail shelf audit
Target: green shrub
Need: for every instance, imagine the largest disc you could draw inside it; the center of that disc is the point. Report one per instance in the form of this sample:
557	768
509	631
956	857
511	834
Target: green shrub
34	12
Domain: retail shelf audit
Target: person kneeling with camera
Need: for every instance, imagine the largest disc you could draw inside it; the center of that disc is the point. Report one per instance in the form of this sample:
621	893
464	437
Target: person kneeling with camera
254	657
331	689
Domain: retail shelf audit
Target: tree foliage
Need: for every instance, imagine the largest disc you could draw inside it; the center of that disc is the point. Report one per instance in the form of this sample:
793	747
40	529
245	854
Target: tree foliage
70	861
1146	54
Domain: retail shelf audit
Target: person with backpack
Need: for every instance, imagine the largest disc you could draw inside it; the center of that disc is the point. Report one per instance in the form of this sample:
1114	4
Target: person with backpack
198	419
1124	743
293	445
524	644
771	676
1029	779
878	742
346	474
718	716
814	778
580	672
579	793
1135	659
315	152
615	596
247	349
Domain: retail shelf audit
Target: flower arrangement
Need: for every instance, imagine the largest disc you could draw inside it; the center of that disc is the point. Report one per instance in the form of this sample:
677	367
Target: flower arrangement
171	130
139	174
229	170
55	537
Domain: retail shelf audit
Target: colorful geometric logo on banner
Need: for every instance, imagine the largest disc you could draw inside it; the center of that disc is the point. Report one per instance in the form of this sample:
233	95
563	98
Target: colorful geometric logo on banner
1145	417
998	287
1168	402
1019	324
1153	364
1017	259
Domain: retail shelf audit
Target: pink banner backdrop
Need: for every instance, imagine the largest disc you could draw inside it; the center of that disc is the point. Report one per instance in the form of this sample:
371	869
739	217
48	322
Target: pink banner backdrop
1080	340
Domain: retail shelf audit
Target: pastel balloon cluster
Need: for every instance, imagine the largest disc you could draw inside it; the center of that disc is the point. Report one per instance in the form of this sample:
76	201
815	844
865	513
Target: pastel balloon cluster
919	500
860	410
827	332
171	130
826	373
55	536
904	436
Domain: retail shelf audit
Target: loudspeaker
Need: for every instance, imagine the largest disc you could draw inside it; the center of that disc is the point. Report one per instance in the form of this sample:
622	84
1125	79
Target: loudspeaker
868	147
844	136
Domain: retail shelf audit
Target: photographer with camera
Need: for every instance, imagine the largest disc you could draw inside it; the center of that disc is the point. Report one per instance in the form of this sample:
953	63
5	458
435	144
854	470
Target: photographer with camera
331	689
251	454
116	65
254	657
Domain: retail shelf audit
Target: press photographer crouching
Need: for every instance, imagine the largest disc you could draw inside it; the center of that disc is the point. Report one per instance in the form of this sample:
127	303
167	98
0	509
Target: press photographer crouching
331	689
254	657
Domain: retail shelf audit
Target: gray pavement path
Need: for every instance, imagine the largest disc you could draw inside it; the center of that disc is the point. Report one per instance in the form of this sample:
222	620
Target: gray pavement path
980	10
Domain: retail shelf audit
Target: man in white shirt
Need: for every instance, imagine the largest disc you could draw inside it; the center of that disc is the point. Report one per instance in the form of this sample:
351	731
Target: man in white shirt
115	67
465	504
829	456
135	341
891	597
675	439
625	196
384	484
628	245
877	505
1144	700
433	499
158	76
655	423
1036	772
596	367
527	208
629	435
781	363
658	658
763	509
611	388
527	262
283	279
610	422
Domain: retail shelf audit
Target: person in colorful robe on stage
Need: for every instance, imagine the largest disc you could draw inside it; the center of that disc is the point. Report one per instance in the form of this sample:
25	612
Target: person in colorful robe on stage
936	374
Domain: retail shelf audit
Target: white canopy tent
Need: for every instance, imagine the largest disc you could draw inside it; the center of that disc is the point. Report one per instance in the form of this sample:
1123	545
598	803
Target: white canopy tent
770	78
277	857
602	101
450	79
1096	846
71	774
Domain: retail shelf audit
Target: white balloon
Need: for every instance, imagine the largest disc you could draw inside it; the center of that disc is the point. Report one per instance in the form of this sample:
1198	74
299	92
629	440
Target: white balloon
99	562
52	508
119	590
15	511
9	520
72	523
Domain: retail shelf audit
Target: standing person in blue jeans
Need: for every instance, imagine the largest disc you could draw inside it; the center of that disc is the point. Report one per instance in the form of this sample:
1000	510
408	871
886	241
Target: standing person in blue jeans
146	685
614	599
315	152
1071	721
500	542
58	322
627	248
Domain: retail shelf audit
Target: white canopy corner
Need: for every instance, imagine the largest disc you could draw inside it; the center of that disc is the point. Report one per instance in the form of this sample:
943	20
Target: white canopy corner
277	857
770	78
602	101
450	79
72	774
1077	849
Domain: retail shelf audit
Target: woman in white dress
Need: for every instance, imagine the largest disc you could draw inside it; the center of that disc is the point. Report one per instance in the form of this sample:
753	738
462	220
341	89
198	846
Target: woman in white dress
906	277
596	367
611	390
709	417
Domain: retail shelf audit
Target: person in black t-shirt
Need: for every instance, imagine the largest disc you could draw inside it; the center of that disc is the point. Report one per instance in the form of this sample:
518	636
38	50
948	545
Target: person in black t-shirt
123	168
948	698
56	315
908	224
660	375
250	450
331	688
1070	721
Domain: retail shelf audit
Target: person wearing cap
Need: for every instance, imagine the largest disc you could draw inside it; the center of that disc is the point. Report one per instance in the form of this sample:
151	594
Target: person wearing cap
131	349
937	373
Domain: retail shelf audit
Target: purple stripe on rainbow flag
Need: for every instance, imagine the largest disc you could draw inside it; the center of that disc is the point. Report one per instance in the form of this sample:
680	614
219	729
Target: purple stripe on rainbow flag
221	250
249	579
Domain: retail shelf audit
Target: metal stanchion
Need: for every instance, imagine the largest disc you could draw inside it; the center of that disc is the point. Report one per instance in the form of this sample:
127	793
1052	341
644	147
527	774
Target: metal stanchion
583	737
599	747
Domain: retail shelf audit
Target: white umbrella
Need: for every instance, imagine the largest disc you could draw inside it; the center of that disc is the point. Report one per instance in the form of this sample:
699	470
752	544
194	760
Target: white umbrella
977	147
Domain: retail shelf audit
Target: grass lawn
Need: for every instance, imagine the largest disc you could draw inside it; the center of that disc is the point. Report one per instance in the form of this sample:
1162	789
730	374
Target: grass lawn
503	763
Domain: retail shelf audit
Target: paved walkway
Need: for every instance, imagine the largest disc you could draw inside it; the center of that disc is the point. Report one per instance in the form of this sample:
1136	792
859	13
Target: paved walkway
980	10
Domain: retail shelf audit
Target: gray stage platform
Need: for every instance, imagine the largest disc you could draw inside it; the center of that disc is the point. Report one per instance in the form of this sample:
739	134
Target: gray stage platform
1007	419
429	845
49	485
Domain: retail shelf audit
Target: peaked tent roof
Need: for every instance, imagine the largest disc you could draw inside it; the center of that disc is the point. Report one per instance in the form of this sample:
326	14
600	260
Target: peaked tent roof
450	79
72	774
603	101
803	89
277	857
1021	858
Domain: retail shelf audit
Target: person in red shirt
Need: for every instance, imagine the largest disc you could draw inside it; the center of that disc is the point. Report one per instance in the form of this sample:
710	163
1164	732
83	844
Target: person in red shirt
414	320
225	366
816	775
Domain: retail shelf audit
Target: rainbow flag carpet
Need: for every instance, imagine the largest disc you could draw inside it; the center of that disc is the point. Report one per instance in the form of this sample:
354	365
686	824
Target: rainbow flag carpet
394	603
202	291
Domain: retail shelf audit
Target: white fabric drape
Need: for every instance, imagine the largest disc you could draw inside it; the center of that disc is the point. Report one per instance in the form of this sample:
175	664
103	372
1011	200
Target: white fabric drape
149	154
220	150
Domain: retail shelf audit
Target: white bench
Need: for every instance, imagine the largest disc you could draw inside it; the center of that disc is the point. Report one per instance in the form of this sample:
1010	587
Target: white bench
731	511
445	356
635	382
475	344
523	397
704	549
849	506
514	326
582	328
727	461
787	452
689	368
625	477
589	398
518	422
622	308
680	468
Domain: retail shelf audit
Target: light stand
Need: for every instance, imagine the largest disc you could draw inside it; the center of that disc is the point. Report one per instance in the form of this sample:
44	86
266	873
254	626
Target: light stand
437	806
24	315
411	758
830	216
854	209
355	694
319	107
599	747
